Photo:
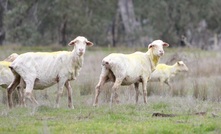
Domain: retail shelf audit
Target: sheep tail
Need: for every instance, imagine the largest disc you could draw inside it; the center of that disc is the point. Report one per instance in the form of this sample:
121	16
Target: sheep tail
106	64
13	70
11	67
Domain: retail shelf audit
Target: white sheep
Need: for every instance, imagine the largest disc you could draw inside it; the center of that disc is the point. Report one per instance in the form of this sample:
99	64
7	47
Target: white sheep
163	73
6	76
39	70
127	69
11	57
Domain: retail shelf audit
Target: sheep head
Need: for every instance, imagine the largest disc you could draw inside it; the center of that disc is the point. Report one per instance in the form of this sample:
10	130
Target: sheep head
181	67
157	47
80	44
11	58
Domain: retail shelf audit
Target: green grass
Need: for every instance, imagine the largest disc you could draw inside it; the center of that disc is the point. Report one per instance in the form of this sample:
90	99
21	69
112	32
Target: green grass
120	119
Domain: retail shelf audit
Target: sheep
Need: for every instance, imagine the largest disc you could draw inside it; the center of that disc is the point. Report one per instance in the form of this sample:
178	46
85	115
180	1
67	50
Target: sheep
127	69
11	57
6	76
39	70
163	73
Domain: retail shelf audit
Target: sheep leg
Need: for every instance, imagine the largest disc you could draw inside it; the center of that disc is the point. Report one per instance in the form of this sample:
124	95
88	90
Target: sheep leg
22	92
102	81
23	98
69	89
136	85
34	100
98	89
19	95
28	91
169	85
59	92
11	88
116	85
144	85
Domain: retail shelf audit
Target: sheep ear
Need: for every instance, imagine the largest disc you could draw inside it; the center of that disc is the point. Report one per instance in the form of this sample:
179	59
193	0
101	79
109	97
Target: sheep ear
89	43
165	44
72	43
150	46
179	62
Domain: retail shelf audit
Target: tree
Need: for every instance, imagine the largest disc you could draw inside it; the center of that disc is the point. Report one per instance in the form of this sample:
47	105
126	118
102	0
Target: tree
213	19
2	31
131	26
116	22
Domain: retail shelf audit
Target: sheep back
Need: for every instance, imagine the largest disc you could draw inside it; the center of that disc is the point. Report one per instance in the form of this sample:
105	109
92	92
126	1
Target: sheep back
47	68
131	67
6	75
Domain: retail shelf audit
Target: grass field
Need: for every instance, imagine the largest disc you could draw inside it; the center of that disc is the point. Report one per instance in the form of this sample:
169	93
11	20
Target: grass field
199	90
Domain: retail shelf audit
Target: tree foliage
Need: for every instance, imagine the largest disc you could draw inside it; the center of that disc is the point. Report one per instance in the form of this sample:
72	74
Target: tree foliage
108	22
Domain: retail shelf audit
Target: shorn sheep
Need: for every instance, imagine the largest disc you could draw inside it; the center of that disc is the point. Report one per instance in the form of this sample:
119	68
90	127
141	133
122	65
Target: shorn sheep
163	73
127	69
11	57
6	76
39	70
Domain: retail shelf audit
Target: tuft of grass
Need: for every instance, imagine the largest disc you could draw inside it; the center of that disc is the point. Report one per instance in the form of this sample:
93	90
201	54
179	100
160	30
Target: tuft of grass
216	94
200	91
160	106
196	90
87	88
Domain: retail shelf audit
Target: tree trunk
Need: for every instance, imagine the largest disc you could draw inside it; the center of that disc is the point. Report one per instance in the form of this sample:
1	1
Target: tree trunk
2	31
131	26
127	15
215	46
63	40
114	28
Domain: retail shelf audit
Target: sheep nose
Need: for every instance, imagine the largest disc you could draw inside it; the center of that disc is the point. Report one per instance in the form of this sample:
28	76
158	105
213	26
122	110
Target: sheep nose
81	51
161	52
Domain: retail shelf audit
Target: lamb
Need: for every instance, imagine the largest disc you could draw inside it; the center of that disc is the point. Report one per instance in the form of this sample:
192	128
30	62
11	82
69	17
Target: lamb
127	69
39	70
163	73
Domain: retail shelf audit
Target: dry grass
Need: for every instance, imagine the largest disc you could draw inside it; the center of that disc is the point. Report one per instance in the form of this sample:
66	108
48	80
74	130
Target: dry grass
202	82
199	90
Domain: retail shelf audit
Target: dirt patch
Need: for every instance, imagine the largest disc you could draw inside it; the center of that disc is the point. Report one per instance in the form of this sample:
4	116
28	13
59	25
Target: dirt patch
173	115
